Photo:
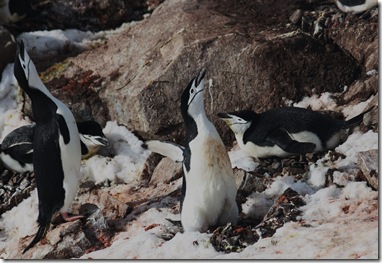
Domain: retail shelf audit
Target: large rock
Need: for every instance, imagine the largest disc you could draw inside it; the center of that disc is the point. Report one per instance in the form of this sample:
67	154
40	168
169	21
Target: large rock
93	15
141	72
360	39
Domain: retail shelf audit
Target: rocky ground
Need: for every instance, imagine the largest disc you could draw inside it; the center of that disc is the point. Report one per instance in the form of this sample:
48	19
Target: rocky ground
258	55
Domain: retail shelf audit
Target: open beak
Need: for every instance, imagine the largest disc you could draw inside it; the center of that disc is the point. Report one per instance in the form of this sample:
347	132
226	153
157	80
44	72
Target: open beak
225	117
103	141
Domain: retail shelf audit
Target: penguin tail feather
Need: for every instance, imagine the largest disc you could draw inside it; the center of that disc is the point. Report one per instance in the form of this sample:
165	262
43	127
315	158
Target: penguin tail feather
168	149
42	229
357	120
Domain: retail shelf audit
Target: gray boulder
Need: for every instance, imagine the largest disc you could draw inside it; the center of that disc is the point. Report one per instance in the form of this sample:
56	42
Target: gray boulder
141	72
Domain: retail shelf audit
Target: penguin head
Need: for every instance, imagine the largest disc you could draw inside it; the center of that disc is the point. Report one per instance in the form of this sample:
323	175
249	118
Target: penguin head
192	97
25	70
238	121
91	134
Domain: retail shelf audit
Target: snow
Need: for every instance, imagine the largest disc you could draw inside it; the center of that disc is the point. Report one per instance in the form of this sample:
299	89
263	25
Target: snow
128	162
338	222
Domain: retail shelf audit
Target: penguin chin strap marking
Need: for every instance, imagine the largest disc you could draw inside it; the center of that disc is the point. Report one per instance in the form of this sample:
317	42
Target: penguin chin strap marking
195	96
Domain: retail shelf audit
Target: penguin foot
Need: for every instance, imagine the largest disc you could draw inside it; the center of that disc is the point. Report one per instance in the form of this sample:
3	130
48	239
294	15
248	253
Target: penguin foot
68	218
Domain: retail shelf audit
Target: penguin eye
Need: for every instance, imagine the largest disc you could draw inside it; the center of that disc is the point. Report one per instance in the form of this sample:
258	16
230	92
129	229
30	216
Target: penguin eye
192	90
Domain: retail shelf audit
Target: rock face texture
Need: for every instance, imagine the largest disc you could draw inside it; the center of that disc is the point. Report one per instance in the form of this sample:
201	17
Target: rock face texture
140	73
258	55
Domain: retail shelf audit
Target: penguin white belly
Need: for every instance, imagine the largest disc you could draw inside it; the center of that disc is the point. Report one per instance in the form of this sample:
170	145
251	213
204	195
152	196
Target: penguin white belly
14	165
269	151
263	151
71	161
337	139
210	187
357	8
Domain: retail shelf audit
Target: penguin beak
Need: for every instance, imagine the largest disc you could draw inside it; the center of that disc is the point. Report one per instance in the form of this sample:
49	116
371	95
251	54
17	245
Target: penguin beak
103	141
200	76
225	117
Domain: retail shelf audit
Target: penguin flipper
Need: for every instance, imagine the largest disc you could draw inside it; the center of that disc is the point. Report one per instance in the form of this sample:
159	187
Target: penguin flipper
171	150
357	120
283	139
23	153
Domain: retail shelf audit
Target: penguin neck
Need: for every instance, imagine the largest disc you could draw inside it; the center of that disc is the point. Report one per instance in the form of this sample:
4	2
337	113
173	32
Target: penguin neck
198	126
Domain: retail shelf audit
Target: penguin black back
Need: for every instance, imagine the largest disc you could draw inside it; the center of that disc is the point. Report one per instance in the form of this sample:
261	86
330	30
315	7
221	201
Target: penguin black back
19	147
48	170
51	126
292	119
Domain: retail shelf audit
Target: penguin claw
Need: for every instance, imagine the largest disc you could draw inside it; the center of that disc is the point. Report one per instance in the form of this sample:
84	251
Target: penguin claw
68	218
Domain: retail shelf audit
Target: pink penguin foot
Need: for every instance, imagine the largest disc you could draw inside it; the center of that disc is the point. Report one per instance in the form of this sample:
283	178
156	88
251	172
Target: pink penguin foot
68	218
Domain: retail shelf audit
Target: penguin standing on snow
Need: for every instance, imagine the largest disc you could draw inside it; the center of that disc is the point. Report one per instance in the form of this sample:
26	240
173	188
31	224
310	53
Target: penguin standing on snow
209	188
287	131
56	147
16	150
355	6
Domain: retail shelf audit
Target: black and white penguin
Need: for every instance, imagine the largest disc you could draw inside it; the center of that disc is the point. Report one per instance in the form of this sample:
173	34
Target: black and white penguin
13	10
355	6
92	138
56	146
16	150
286	131
209	188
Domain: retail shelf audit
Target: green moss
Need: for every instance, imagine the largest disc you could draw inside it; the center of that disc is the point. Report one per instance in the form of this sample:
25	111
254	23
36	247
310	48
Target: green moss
54	71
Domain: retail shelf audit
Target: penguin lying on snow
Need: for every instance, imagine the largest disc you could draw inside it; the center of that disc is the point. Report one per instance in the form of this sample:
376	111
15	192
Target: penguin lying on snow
355	6
287	131
16	150
209	188
56	146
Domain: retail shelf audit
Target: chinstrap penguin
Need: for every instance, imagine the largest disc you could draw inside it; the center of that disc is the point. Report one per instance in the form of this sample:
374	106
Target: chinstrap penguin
13	10
355	6
92	138
286	131
209	188
16	150
56	147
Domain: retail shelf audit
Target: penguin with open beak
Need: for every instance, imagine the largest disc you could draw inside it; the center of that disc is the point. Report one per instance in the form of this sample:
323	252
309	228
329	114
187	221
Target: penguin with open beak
286	131
16	150
209	188
56	147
